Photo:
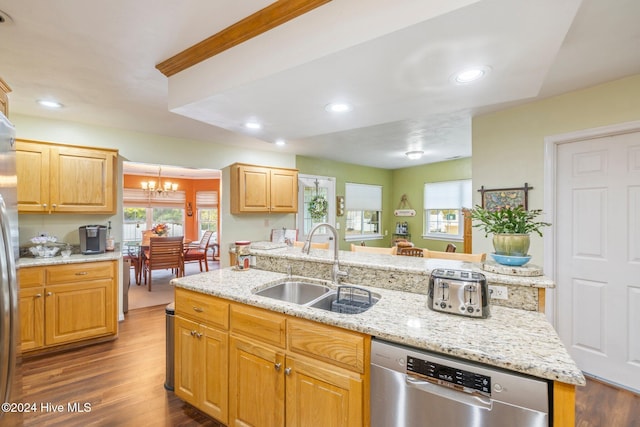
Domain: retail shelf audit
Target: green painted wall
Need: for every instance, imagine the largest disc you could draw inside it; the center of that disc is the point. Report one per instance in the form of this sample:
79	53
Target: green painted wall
508	145
409	181
346	172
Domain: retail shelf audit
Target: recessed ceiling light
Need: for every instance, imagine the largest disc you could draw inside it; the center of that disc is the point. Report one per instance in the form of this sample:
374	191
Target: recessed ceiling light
280	142
338	107
414	155
253	125
49	103
470	75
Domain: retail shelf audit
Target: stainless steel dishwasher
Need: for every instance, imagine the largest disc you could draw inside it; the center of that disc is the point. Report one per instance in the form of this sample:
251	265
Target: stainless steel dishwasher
415	388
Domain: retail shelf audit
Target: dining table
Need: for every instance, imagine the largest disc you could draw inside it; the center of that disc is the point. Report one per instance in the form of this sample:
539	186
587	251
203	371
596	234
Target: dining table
135	251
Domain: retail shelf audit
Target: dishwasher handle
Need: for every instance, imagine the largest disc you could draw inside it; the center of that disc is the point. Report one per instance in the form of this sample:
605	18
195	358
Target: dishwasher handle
448	393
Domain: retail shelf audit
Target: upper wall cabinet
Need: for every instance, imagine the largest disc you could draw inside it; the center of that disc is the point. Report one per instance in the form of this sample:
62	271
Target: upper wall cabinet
257	189
55	178
4	99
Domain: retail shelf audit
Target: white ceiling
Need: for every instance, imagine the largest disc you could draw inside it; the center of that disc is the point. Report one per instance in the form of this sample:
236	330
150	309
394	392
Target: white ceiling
392	60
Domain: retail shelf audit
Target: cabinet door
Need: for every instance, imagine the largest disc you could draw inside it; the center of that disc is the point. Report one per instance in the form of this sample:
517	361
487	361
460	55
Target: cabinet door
80	310
284	191
322	395
253	189
214	352
186	365
256	385
31	306
32	167
81	180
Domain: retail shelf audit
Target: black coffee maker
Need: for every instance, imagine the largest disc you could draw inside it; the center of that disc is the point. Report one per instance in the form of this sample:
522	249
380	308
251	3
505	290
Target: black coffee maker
93	239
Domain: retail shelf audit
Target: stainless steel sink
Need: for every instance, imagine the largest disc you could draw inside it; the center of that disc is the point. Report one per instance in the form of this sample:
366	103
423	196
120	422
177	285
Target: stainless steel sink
295	291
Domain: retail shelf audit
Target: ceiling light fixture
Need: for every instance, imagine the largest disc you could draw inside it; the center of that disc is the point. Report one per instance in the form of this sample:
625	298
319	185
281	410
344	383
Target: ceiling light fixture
280	143
253	125
414	155
470	75
49	104
338	107
161	189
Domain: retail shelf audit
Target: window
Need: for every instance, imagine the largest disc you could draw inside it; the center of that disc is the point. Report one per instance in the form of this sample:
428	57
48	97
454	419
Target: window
207	205
363	209
142	213
443	203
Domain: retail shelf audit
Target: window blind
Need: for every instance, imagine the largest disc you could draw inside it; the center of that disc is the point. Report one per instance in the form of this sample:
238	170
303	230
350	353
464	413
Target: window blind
206	199
448	194
136	197
363	197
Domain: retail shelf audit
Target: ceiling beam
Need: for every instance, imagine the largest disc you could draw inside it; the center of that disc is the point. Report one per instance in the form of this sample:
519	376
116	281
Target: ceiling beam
253	25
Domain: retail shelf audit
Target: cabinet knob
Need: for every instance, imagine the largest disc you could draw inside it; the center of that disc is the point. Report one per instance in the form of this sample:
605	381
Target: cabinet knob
49	294
287	371
54	206
44	205
278	366
38	295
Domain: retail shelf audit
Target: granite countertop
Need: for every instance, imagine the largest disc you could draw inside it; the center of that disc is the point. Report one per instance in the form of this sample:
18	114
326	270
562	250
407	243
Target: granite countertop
74	258
513	339
395	263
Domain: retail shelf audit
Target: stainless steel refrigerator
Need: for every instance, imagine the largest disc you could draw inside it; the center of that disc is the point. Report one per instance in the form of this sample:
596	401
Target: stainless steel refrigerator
9	315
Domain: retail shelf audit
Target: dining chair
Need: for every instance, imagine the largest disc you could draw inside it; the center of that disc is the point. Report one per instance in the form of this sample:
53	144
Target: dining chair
198	252
372	250
314	245
163	253
411	251
458	256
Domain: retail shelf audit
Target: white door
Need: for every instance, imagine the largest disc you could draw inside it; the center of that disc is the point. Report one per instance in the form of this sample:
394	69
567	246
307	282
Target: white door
308	188
598	255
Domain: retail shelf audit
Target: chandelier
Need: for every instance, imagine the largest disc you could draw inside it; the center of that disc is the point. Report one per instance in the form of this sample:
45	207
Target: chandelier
160	188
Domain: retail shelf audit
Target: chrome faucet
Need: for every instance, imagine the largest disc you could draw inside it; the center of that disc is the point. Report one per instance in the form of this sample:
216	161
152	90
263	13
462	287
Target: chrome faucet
336	273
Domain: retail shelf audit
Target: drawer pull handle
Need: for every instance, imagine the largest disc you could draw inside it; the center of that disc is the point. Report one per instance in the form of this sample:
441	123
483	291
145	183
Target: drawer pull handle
198	309
277	366
81	273
287	371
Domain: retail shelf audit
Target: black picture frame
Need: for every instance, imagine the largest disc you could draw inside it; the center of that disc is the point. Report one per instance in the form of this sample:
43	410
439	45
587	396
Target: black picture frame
496	198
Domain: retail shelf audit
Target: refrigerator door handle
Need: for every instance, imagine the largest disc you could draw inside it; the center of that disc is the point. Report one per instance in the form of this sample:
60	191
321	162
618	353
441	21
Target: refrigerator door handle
8	307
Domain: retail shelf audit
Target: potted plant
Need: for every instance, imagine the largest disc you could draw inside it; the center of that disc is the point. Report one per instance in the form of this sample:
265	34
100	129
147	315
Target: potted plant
510	227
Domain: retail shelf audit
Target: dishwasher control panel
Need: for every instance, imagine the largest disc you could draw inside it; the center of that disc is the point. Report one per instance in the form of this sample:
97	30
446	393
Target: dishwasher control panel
445	375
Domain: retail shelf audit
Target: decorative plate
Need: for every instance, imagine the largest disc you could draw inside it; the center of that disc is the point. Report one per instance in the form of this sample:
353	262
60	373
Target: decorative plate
511	260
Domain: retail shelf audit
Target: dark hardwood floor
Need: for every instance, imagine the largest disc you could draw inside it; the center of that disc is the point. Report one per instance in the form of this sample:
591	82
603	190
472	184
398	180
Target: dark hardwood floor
123	382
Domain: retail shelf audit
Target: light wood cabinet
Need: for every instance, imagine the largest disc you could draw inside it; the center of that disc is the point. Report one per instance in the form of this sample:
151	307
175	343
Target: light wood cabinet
201	352
259	189
67	303
311	373
65	179
4	99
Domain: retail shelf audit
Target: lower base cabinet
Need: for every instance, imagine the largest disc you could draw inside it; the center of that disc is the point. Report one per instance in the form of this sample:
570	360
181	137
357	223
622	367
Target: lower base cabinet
69	303
260	368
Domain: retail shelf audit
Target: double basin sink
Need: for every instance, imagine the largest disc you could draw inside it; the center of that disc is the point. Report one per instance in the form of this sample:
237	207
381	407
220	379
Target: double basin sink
345	299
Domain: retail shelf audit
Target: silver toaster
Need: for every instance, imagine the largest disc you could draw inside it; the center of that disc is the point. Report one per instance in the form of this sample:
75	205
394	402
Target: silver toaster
462	292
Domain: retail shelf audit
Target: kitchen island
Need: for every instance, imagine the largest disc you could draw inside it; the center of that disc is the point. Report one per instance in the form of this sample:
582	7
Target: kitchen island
517	340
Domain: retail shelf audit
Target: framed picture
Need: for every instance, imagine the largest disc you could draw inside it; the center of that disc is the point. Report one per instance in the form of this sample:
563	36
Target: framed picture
496	198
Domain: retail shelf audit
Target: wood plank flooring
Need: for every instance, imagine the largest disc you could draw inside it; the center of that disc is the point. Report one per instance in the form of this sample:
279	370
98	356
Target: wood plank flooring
123	382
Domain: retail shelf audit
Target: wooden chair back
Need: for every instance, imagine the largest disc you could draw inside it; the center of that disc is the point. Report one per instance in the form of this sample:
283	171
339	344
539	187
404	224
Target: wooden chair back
204	242
166	252
314	245
146	235
411	252
480	257
450	248
372	250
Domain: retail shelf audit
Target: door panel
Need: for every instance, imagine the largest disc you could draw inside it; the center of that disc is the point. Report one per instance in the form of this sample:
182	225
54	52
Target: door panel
598	255
306	191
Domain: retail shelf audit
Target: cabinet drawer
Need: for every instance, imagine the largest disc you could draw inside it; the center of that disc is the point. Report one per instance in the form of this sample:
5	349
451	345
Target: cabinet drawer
31	277
333	345
202	308
80	272
259	324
